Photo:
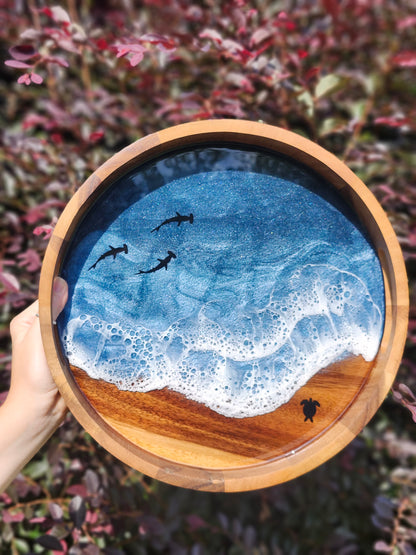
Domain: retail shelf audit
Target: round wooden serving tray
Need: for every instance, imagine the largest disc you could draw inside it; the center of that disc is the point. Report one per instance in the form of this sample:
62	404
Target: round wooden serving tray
190	440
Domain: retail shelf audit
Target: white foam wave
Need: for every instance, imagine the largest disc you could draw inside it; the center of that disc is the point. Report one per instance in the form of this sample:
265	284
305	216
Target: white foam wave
241	362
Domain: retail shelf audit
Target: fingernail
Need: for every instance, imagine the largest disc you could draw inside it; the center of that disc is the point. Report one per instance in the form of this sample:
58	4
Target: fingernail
59	296
59	286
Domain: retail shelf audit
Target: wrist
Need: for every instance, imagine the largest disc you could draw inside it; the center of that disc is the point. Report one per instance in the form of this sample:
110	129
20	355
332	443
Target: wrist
36	415
24	428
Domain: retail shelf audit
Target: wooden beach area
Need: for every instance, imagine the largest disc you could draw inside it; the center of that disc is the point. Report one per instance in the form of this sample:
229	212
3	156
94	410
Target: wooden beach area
182	431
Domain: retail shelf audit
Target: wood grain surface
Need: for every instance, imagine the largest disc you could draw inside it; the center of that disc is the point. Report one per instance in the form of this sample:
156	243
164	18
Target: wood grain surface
184	431
165	435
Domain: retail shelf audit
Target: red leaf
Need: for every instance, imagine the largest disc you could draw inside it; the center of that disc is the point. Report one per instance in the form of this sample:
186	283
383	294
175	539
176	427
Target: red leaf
412	238
302	53
236	51
408	21
56	138
388	192
311	73
195	522
160	40
32	120
17	64
77	489
37	212
59	15
240	81
392	121
91	517
9	517
284	21
122	50
211	34
22	52
230	107
332	7
202	115
68	45
37	519
260	35
101	44
406	58
405	390
9	281
30	34
30	259
382	547
411	408
96	136
46	11
405	396
36	78
136	59
24	79
106	529
137	51
56	60
56	511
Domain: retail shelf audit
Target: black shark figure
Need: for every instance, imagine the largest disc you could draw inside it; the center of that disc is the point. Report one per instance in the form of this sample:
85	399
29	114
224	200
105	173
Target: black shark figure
176	219
114	251
163	263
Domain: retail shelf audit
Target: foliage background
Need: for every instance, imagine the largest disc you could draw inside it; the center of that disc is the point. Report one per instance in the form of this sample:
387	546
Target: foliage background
82	79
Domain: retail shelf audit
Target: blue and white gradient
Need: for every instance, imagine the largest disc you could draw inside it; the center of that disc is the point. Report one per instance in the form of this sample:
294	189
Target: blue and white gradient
273	281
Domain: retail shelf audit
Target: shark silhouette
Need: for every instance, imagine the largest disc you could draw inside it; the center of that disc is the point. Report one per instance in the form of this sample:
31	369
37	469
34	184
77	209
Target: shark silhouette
114	251
163	263
178	218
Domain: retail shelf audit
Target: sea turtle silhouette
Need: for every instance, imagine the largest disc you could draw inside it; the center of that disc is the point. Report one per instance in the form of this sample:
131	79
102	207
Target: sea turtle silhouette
309	408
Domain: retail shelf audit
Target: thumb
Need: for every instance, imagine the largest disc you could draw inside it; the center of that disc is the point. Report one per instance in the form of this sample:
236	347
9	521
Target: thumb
59	296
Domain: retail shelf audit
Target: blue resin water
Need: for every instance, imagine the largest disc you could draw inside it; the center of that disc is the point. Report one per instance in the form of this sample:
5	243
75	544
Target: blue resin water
269	281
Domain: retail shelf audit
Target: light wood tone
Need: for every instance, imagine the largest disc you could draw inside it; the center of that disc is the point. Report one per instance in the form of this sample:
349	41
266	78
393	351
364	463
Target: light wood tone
185	444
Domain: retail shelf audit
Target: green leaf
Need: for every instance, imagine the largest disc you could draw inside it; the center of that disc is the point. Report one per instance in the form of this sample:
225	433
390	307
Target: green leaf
372	83
306	99
358	110
327	85
331	125
21	546
37	469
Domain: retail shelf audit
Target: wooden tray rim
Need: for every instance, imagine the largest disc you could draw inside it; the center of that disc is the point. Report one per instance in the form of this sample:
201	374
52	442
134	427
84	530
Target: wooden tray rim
376	222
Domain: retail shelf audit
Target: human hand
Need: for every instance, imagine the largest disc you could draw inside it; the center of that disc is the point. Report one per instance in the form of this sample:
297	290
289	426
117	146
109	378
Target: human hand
34	407
30	372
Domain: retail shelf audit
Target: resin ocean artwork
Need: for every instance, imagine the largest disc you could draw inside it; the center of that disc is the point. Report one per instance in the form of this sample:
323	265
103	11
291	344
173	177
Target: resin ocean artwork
229	276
